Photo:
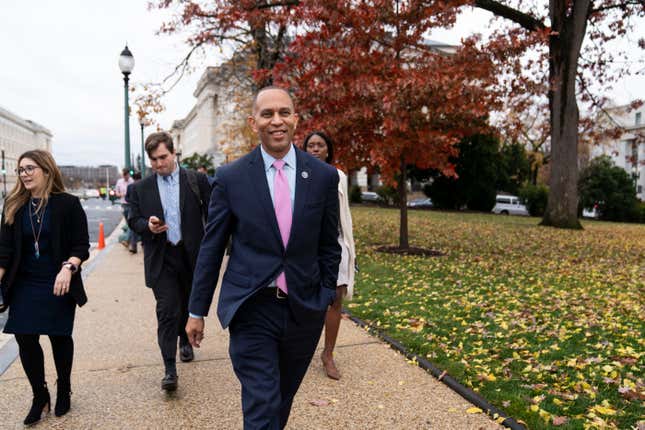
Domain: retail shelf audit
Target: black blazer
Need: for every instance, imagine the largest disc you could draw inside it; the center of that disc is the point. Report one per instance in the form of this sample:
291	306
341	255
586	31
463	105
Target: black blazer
144	201
69	239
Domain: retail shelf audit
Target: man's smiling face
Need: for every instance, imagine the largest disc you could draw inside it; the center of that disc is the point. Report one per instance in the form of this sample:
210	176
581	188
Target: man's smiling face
274	120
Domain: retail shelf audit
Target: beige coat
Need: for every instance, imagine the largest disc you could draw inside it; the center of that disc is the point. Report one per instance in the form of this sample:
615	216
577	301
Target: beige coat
345	238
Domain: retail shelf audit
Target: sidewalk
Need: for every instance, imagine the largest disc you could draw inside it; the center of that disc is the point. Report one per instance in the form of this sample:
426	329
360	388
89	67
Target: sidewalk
118	369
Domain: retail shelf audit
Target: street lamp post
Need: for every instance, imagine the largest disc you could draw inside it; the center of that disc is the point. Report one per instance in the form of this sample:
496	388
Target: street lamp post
143	152
126	64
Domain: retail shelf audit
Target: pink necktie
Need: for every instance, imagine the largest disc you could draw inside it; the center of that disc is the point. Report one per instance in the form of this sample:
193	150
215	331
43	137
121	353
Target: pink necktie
282	206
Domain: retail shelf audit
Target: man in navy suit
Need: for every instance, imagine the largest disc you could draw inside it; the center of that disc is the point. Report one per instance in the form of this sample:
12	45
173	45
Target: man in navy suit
280	207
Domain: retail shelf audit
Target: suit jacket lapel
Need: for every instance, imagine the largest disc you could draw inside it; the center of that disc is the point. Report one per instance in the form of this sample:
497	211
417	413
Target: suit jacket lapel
183	183
303	178
259	180
55	225
156	197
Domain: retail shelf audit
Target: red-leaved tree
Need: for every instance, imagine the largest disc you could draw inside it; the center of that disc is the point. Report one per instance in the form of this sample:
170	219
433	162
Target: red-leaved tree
366	74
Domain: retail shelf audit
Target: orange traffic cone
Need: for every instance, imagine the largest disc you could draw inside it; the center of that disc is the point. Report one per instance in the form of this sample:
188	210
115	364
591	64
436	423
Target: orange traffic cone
101	236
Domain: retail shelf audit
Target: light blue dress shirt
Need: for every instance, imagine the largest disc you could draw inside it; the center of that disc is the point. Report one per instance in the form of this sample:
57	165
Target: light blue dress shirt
289	169
169	193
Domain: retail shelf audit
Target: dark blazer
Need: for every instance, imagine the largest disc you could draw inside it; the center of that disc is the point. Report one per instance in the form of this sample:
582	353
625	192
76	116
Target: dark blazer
69	239
241	207
144	201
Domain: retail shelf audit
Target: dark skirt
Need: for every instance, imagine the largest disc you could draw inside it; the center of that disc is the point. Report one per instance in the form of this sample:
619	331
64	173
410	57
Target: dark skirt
35	309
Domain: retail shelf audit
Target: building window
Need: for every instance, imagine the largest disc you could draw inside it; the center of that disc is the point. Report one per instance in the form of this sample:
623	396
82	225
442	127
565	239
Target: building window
638	118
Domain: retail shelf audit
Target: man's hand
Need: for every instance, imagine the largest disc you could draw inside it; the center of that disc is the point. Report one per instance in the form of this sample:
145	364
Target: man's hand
195	331
156	225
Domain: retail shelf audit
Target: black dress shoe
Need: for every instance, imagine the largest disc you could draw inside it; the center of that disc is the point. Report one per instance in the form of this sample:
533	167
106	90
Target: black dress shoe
169	382
186	353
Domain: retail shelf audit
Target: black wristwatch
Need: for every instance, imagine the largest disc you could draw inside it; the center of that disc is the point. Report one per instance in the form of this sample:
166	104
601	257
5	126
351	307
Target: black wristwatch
71	266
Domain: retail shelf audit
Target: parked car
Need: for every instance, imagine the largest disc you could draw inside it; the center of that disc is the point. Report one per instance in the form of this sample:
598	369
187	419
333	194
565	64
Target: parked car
591	212
420	203
370	196
92	193
509	205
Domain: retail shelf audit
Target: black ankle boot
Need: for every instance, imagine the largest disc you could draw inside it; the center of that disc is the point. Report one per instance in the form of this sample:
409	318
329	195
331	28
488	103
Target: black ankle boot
40	404
63	393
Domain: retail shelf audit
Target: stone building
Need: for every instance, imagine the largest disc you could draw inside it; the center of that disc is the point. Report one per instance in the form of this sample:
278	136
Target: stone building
628	150
18	135
216	125
76	177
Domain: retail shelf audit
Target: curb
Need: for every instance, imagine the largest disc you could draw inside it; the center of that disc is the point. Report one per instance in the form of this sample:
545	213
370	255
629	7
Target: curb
9	351
441	375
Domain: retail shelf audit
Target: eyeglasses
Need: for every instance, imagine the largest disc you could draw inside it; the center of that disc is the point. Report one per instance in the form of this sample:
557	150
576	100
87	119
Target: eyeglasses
28	170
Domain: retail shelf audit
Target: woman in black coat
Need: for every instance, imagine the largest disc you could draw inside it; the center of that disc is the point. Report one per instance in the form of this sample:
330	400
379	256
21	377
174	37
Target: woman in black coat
43	240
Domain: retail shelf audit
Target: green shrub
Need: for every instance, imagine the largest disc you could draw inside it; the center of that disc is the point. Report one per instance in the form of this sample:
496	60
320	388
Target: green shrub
388	195
535	198
611	188
640	212
355	194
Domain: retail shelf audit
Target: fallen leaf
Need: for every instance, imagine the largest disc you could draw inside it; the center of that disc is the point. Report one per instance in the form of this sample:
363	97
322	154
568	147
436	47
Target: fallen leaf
319	402
558	421
474	410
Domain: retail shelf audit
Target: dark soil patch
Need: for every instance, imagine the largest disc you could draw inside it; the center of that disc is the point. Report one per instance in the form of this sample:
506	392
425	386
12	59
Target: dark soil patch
424	252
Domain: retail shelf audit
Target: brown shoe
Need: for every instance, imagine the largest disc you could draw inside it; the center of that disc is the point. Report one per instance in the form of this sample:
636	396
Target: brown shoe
330	368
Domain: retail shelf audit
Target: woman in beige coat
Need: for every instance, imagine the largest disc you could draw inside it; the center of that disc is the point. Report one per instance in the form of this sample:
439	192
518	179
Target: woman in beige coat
321	146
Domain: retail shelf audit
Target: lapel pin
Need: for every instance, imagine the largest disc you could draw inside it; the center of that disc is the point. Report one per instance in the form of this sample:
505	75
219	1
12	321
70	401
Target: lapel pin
304	174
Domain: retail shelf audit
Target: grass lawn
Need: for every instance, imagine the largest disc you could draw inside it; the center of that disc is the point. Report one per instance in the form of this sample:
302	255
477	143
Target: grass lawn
546	324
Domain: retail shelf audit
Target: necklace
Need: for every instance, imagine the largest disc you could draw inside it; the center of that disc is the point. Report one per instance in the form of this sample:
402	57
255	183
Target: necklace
39	218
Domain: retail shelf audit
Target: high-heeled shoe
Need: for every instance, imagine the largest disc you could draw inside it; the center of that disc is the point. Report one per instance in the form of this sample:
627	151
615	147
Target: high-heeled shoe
63	393
40	404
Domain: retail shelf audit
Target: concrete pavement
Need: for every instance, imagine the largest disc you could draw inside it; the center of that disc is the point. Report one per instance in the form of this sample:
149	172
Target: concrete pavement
117	372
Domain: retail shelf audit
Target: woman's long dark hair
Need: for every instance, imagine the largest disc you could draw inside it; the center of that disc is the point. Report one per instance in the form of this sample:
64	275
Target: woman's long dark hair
328	141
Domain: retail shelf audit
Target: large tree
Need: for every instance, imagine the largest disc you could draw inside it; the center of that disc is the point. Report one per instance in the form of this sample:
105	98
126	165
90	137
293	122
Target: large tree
365	73
562	26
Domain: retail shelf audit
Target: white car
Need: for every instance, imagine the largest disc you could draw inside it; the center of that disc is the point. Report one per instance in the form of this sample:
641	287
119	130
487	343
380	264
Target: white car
420	203
369	196
92	193
590	213
509	205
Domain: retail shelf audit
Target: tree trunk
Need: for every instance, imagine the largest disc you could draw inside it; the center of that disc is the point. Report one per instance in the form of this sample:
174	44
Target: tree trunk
403	207
568	31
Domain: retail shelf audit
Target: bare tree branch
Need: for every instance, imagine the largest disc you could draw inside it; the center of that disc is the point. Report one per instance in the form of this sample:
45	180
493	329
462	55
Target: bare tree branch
618	5
527	21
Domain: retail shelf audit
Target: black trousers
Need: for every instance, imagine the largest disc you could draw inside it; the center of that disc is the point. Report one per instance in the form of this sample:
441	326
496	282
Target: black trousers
172	291
270	353
33	361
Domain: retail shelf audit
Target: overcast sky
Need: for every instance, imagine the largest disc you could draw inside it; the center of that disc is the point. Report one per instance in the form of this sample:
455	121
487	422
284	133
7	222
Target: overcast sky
60	69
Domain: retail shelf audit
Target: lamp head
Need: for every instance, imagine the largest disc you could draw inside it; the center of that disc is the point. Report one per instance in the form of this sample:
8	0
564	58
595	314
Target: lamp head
126	61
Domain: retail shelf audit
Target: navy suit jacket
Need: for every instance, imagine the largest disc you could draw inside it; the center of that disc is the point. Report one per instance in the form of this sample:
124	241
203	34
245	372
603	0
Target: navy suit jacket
241	208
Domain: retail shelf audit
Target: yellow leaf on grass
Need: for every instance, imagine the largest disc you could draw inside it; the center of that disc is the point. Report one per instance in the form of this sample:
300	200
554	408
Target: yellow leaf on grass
604	410
474	410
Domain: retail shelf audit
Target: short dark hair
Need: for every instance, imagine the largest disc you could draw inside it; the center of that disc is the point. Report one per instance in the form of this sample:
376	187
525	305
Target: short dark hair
125	171
328	141
155	139
270	87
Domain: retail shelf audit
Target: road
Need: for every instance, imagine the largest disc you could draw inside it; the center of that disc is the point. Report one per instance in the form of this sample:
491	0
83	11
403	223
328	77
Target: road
97	210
